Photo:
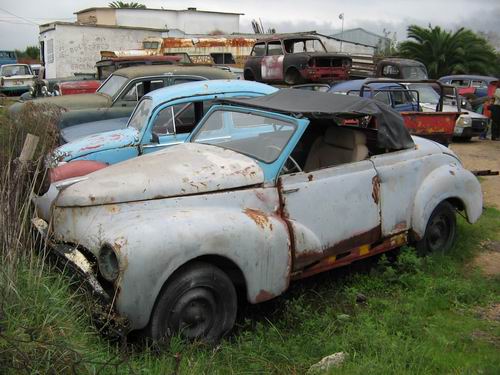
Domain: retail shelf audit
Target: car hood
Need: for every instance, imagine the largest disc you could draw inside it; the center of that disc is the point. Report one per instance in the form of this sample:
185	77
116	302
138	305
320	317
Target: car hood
73	133
94	143
70	102
184	169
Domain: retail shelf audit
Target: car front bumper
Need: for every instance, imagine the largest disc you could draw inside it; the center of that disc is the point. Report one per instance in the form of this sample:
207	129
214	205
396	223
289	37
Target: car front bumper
73	259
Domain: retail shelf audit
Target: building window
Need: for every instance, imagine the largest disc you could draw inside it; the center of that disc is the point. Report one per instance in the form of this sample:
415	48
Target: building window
50	51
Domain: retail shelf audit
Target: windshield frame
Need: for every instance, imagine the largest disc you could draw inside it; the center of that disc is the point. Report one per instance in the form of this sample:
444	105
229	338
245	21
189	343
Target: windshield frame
118	91
297	131
304	39
412	87
150	111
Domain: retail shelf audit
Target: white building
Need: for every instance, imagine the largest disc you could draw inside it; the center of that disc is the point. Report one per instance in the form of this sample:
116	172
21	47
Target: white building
74	47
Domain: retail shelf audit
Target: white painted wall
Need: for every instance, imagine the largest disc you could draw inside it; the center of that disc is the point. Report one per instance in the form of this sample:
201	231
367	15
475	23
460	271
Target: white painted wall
77	48
191	22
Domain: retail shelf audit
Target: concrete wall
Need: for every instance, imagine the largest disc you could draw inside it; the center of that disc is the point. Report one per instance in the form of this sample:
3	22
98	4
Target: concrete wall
191	22
76	48
97	16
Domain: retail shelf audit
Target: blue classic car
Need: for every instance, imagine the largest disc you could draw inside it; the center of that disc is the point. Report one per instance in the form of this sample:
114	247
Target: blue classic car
393	94
163	117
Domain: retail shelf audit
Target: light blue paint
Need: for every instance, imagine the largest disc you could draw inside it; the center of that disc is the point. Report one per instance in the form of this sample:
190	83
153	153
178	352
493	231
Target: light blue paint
119	145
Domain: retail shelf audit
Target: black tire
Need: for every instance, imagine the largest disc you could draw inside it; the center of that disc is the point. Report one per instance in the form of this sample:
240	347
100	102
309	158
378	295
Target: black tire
293	77
199	302
440	231
248	75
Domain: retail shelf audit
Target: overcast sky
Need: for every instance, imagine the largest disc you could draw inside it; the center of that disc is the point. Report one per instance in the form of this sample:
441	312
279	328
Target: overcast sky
19	19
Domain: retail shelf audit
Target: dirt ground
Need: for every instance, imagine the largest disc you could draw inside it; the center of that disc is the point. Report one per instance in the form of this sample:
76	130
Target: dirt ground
477	155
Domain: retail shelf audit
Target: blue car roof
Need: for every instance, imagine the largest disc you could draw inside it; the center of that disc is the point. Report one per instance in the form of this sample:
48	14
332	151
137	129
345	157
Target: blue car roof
208	87
357	83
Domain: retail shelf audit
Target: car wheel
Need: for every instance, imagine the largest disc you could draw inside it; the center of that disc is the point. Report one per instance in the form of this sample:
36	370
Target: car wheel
293	77
199	303
440	231
248	75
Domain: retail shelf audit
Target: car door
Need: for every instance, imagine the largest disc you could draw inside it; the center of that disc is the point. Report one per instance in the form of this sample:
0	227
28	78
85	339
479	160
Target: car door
253	63
171	125
402	101
272	63
331	211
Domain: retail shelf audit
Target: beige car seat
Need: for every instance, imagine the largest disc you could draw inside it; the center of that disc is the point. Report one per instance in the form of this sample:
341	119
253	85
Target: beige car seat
339	145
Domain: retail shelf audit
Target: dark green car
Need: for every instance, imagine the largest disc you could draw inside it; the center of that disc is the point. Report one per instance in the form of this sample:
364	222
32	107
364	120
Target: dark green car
119	94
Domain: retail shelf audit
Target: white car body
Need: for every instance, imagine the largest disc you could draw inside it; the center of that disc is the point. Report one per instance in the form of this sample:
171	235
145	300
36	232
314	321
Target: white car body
16	78
161	211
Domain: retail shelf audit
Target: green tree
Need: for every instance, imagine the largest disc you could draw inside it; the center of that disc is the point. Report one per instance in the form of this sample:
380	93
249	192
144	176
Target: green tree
121	4
444	52
31	52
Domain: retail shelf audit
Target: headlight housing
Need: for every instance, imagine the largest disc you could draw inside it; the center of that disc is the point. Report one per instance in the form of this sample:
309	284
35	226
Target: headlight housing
464	121
108	263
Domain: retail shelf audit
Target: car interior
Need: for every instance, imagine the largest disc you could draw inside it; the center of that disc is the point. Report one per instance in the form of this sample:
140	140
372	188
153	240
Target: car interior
325	144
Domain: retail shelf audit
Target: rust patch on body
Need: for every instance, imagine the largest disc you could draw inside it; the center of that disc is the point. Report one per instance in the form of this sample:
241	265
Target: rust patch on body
376	189
258	217
452	172
310	177
112	209
264	295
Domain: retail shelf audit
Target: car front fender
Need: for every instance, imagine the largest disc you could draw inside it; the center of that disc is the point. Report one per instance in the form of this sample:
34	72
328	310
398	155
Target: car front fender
153	239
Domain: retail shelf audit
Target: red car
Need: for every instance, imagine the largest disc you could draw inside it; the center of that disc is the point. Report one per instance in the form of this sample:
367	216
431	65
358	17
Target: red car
295	59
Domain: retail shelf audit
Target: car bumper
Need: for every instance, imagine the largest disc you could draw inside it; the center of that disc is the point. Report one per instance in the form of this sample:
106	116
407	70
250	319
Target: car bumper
73	259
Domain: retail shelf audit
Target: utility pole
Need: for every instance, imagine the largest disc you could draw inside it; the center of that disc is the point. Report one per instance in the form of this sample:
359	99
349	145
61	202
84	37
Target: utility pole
341	16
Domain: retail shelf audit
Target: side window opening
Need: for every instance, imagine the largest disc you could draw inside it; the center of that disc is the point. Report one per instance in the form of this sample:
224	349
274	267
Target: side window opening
176	119
274	49
258	50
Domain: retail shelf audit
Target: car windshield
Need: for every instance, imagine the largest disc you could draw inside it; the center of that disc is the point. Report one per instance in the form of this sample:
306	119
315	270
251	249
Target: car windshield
414	72
112	85
425	92
141	114
303	45
257	136
15	70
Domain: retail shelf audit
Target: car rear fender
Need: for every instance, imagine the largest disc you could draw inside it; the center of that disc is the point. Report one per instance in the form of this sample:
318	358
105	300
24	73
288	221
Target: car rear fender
448	182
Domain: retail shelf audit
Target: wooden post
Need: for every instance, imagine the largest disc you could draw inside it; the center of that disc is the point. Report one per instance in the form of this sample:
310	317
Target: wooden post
29	148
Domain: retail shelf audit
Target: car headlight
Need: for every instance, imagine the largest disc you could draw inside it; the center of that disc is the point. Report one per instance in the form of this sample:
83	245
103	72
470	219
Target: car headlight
464	121
108	263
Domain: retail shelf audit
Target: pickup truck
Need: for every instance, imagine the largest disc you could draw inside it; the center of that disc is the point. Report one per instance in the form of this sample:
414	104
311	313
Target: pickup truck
265	191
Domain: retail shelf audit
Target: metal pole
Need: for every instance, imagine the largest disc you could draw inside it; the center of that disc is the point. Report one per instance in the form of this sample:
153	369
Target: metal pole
341	16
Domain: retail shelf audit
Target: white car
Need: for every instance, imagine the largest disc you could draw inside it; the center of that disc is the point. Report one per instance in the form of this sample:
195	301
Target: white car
265	191
15	79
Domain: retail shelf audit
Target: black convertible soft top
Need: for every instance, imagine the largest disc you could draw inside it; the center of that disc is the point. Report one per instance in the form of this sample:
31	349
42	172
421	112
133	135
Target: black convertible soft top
392	133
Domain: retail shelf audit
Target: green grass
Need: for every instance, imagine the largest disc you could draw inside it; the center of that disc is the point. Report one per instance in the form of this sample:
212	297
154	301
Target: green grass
420	317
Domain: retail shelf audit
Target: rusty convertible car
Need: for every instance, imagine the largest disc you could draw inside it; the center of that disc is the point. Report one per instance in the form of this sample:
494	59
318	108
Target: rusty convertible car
295	59
265	191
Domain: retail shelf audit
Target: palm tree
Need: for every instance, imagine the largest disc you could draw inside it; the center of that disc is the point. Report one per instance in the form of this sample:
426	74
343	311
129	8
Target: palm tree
444	52
121	4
